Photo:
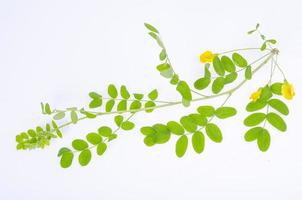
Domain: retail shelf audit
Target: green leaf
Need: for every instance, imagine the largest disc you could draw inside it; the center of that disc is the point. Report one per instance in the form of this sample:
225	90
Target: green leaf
95	95
66	159
163	55
122	105
124	92
151	28
105	131
55	126
109	105
230	78
32	133
198	119
94	138
101	148
227	64
165	70
153	95
225	112
85	157
147	130
276	88
239	60
59	115
63	150
135	105
112	91
253	134
150	140
272	41
254	106
218	66
118	120
206	111
188	124
162	133
181	146
127	125
79	144
198	142
175	128
214	132
202	83
279	106
248	72
87	114
184	89
96	100
254	119
263	46
138	96
149	106
217	85
174	80
264	140
266	94
47	109
276	121
74	117
42	108
153	35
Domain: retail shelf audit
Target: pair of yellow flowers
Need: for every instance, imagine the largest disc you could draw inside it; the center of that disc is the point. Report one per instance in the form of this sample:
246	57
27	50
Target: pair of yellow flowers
287	89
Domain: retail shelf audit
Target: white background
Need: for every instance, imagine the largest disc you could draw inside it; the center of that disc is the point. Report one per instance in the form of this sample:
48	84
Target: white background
58	51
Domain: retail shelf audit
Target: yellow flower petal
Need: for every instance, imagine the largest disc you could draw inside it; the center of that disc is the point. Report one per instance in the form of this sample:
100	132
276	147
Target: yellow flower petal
287	90
207	56
256	95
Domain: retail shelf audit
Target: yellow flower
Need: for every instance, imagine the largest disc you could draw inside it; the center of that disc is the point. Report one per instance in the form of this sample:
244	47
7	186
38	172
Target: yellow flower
287	90
206	56
256	95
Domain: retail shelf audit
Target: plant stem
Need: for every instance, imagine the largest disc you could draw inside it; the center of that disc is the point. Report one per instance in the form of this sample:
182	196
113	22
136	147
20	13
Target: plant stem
243	49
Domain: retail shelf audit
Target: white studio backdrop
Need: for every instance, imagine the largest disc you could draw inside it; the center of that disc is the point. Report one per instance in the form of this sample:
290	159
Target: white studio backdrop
59	51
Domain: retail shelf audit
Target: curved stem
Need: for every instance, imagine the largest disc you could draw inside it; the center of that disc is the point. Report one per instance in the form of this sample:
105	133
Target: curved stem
243	49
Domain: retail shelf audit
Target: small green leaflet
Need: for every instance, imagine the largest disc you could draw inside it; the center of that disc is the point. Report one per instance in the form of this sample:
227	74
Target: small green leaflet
181	146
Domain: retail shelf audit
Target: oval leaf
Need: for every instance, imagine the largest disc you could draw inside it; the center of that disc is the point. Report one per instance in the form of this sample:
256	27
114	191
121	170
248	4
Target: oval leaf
181	146
254	119
85	157
214	132
198	142
276	121
279	106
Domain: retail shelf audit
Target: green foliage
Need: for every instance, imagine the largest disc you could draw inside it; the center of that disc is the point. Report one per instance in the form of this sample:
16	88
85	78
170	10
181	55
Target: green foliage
279	105
276	88
254	119
192	127
276	121
184	89
239	60
198	142
258	133
225	112
218	67
217	85
189	125
214	132
181	146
